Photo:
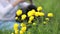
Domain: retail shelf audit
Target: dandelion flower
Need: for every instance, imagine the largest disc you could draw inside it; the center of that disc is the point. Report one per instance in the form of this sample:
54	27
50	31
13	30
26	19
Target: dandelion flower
16	31
33	11
23	24
21	32
41	14
39	8
16	26
31	18
50	15
19	12
29	22
23	29
23	17
30	13
36	14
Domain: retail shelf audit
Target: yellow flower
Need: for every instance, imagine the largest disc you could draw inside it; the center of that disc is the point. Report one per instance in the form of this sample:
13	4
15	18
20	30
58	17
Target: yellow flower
21	32
36	14
16	31
16	18
33	11
41	14
16	26
29	22
31	18
47	19
19	12
30	13
23	29
50	15
39	8
23	24
23	17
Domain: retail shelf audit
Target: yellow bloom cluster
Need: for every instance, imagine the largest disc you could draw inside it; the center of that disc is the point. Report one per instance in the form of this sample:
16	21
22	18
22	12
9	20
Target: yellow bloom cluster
29	14
33	12
30	17
23	28
39	14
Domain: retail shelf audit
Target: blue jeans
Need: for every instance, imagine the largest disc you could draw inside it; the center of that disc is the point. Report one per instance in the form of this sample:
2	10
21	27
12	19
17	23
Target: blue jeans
6	25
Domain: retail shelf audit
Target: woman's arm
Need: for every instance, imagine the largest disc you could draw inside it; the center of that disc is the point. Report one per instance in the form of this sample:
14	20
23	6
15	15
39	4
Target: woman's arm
4	10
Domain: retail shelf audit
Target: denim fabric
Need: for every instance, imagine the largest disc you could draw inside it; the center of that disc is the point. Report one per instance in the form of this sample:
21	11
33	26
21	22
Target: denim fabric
7	25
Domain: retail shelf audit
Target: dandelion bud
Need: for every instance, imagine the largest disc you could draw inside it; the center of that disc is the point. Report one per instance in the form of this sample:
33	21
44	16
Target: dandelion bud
34	23
44	22
16	18
47	19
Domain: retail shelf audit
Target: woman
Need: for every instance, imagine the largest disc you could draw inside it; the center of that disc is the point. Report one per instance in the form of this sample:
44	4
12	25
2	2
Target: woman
7	12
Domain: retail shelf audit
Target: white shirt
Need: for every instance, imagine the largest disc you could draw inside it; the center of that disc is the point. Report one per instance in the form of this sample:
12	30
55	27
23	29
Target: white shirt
7	11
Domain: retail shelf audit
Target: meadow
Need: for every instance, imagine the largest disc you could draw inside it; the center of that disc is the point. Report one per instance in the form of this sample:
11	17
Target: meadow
52	27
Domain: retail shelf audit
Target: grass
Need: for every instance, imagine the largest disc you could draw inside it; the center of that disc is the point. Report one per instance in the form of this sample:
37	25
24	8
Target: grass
52	27
51	6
